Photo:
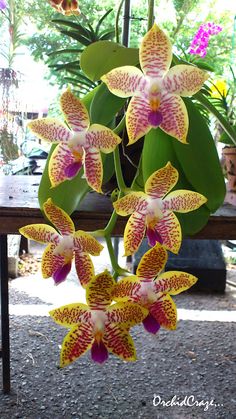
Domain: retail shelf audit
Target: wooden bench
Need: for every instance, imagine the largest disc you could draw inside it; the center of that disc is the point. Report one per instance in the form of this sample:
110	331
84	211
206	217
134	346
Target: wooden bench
19	207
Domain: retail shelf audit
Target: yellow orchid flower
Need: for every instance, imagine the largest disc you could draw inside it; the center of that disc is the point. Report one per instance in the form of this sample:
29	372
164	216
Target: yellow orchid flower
98	326
64	244
156	90
152	211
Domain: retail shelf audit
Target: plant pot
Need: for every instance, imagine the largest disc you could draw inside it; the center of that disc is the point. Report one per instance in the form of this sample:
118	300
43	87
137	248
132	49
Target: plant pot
229	162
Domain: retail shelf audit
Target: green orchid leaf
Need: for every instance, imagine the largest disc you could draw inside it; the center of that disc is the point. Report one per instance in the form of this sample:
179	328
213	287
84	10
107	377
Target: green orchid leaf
199	159
85	32
158	150
65	51
102	56
101	21
105	106
75	35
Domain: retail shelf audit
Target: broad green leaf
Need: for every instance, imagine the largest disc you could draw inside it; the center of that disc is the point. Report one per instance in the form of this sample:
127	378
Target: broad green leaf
102	56
105	106
158	150
199	159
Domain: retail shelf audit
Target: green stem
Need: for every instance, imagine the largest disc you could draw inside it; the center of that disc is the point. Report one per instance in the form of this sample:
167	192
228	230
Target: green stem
150	13
223	122
115	266
117	34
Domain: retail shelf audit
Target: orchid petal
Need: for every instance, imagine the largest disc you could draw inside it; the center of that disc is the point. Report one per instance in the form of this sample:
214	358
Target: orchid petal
119	342
164	311
60	274
84	268
74	111
134	232
169	230
155	53
76	343
50	129
99	352
184	80
60	160
84	242
123	81
134	201
161	181
102	138
183	201
99	291
41	233
137	118
49	264
93	169
129	314
175	116
127	290
150	324
70	314
152	262
174	282
59	218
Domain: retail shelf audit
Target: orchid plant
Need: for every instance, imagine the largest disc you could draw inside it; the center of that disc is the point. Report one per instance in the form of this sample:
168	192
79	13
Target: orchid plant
178	183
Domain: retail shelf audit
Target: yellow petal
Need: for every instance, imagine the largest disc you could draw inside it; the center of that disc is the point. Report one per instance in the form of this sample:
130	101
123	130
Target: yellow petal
174	282
75	111
41	233
123	81
161	181
184	80
152	262
127	313
99	291
134	201
175	116
84	242
127	289
134	232
137	118
183	201
164	312
102	138
93	169
119	342
155	53
50	129
59	218
84	268
70	314
76	343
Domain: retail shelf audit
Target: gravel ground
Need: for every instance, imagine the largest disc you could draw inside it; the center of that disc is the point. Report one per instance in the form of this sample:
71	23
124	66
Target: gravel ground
198	360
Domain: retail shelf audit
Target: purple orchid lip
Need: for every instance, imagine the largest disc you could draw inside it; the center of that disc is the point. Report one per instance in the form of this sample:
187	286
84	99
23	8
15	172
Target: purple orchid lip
99	352
150	324
61	273
3	4
155	118
72	169
153	237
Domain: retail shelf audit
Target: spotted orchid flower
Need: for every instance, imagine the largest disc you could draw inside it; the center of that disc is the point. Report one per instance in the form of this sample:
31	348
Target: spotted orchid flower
152	211
155	90
152	289
66	7
98	326
82	145
64	244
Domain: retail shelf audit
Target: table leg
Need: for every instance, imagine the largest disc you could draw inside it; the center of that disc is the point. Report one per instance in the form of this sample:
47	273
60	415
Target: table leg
5	353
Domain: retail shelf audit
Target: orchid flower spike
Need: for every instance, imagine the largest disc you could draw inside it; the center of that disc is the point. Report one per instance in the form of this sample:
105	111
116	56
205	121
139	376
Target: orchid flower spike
152	289
98	326
82	145
156	90
64	244
152	211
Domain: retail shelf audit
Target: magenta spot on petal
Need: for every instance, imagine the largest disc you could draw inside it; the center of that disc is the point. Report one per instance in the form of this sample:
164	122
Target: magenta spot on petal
99	352
150	324
72	169
155	118
153	237
61	273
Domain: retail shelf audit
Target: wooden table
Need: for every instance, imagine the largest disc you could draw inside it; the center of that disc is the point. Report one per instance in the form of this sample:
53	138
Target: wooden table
19	207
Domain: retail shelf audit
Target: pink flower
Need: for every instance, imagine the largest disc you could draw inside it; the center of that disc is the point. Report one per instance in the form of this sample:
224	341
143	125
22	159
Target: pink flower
200	41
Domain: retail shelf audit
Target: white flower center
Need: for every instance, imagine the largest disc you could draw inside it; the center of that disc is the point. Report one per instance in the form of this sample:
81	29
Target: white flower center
147	292
155	207
98	319
77	141
65	247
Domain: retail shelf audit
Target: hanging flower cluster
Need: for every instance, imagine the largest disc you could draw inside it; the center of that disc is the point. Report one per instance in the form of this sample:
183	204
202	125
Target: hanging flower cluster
113	308
201	39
